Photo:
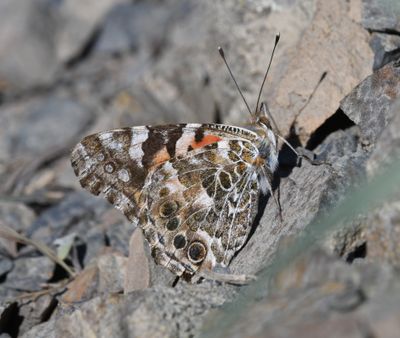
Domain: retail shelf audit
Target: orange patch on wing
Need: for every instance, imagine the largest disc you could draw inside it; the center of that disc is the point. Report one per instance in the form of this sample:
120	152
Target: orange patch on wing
205	141
161	156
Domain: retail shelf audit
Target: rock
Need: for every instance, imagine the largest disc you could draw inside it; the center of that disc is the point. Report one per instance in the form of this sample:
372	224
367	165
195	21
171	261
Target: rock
5	335
136	27
388	144
369	103
16	215
381	234
137	276
112	272
6	265
33	127
77	209
27	54
160	312
36	311
386	48
94	242
325	46
83	287
29	274
42	330
348	241
314	295
77	22
381	15
118	235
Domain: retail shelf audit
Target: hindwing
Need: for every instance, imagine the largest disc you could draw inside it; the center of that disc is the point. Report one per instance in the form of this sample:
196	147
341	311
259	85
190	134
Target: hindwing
198	209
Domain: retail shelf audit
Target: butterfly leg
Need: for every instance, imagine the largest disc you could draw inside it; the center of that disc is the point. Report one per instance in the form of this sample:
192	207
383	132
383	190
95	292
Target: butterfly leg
236	279
267	180
308	155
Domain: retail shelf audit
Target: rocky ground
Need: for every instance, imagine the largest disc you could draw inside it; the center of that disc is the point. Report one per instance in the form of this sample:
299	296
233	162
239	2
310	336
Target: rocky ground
69	68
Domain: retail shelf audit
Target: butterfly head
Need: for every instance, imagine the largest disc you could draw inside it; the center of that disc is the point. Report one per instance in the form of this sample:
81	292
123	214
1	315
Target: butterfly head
267	146
261	117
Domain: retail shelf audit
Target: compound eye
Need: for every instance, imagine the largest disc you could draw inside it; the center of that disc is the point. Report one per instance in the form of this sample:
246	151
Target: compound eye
196	252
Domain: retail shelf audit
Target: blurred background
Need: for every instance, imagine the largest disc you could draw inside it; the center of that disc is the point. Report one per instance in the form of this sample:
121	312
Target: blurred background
69	68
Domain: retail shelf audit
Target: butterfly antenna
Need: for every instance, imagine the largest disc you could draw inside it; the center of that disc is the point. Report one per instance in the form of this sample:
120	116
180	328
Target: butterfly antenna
221	52
277	37
310	96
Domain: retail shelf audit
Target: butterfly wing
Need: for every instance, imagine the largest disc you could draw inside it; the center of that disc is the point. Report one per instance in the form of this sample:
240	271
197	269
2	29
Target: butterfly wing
192	186
199	208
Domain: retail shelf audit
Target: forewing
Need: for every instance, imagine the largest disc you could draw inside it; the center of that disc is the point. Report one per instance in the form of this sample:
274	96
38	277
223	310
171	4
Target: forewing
199	208
118	162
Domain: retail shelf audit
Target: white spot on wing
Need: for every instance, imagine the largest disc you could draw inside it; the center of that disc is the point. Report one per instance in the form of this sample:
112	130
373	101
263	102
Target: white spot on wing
123	175
185	140
107	141
82	160
105	136
135	150
192	125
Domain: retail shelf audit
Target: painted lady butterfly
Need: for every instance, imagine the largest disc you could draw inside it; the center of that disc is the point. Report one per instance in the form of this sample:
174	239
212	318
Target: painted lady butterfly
194	187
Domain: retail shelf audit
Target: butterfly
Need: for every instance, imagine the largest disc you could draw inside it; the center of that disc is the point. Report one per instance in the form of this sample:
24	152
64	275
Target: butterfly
195	188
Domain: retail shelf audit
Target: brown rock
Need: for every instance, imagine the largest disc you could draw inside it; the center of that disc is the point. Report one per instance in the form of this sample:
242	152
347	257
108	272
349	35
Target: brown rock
333	43
137	274
83	287
112	270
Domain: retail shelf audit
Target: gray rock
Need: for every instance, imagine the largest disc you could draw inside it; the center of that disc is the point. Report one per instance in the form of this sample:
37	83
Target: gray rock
5	335
27	54
94	242
77	21
315	295
111	273
6	265
386	48
32	129
381	234
158	312
16	215
77	209
35	312
388	145
369	103
136	27
118	235
381	15
29	274
44	330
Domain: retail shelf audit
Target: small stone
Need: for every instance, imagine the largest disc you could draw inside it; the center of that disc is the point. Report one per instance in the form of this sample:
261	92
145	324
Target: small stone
25	44
137	275
386	48
112	271
29	274
6	265
381	15
368	105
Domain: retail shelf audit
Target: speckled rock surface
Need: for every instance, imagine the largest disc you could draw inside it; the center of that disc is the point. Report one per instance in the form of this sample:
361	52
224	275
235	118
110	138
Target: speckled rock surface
122	63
